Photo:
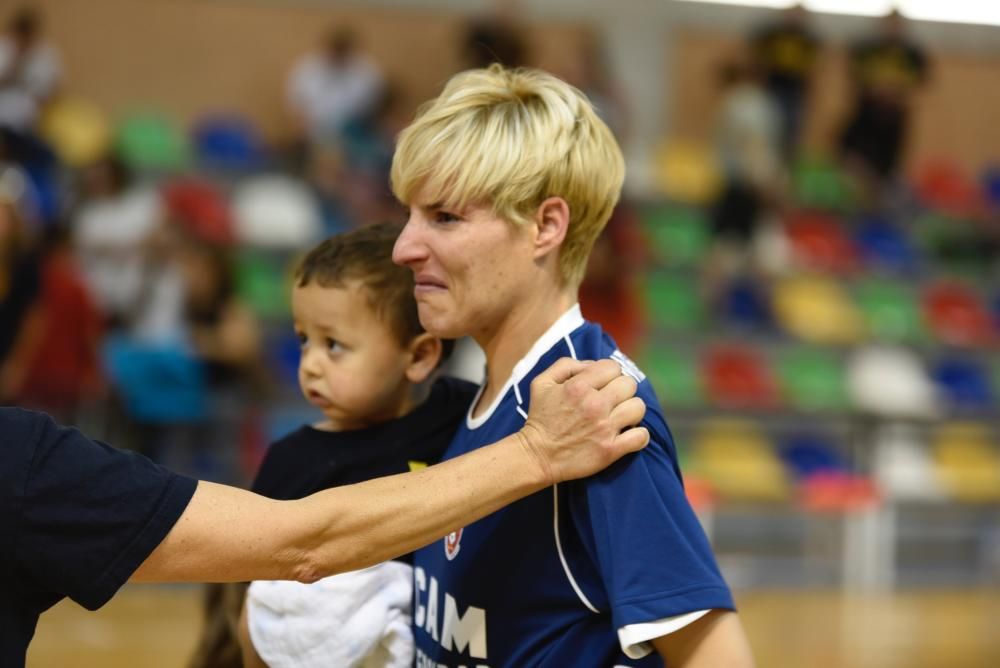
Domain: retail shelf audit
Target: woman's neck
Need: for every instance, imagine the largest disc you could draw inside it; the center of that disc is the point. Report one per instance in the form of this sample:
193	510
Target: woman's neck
513	338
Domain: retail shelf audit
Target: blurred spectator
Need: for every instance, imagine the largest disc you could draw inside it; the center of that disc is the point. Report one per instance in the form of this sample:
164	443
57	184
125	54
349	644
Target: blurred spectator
112	231
590	72
327	175
223	332
61	340
887	70
749	145
333	85
786	52
748	141
29	71
496	37
20	289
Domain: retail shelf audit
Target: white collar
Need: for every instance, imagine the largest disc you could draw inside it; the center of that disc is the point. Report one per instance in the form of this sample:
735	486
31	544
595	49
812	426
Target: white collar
567	323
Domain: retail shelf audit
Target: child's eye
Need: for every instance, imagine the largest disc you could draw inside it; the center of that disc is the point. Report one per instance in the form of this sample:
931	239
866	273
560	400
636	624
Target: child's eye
303	340
334	346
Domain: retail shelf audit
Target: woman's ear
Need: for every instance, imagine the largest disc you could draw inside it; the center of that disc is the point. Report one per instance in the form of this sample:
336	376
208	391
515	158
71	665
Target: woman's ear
425	354
552	220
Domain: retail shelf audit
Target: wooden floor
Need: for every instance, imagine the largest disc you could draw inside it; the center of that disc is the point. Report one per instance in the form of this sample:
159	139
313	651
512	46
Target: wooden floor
151	627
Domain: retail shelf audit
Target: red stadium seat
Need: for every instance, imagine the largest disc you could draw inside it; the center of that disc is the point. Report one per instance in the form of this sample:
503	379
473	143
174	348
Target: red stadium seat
942	185
956	315
737	377
819	242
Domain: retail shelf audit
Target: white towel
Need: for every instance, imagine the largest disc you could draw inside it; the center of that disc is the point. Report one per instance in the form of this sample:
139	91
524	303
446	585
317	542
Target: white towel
359	619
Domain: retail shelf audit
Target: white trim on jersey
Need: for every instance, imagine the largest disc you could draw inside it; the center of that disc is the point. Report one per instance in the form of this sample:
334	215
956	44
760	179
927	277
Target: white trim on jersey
566	324
562	557
634	638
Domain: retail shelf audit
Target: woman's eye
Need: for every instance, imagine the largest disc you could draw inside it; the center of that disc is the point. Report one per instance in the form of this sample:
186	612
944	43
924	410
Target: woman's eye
446	217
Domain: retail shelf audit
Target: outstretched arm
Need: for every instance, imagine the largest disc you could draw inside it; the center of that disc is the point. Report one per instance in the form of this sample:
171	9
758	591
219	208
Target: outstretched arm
579	423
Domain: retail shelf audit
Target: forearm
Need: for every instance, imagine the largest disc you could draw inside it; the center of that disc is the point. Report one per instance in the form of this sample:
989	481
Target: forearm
395	515
230	535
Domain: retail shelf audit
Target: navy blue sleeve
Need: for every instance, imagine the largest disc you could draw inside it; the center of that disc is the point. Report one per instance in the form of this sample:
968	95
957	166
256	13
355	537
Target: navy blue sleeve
650	550
91	514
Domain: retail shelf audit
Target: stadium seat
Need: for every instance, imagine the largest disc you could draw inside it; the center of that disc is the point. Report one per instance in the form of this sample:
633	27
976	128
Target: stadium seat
228	143
890	382
736	376
200	208
673	303
817	310
967	462
991	186
738	461
943	185
77	129
674	375
677	235
825	482
956	315
819	243
819	184
890	311
275	212
884	246
812	379
902	464
262	282
957	245
745	305
964	384
687	172
152	141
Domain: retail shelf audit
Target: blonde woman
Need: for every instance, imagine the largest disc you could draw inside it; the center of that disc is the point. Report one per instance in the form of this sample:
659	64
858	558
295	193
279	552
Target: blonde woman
509	177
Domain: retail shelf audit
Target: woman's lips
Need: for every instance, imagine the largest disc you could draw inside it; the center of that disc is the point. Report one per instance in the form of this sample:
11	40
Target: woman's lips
424	284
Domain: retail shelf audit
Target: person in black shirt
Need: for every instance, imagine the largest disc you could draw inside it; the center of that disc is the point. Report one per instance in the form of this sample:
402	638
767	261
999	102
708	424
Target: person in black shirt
79	518
785	52
887	70
365	358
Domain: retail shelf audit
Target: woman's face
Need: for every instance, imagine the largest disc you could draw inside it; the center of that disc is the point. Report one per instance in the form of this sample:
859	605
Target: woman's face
470	267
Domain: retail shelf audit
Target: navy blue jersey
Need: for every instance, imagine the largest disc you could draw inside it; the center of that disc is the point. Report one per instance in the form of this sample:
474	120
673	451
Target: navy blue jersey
576	574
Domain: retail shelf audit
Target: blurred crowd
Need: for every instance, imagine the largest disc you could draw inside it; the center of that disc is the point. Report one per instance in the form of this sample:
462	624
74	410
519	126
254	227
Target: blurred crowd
143	287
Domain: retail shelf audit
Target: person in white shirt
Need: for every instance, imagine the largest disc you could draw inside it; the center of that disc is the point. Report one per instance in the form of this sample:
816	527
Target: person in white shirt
333	85
29	71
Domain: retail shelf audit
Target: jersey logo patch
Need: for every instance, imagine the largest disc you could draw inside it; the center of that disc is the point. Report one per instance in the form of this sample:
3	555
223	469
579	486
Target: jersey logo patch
452	544
629	368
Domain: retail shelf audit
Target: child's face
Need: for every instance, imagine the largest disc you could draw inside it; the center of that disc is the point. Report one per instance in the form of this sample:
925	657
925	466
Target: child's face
471	267
352	368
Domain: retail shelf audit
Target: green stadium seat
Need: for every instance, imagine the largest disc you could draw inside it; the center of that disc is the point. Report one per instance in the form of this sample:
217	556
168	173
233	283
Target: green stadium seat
818	184
674	375
890	310
678	235
262	281
151	141
812	379
673	303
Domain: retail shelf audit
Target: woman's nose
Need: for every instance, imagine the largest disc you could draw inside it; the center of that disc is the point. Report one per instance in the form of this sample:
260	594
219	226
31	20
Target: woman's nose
408	248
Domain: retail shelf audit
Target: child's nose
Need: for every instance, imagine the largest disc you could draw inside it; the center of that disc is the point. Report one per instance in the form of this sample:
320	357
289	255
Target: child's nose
309	363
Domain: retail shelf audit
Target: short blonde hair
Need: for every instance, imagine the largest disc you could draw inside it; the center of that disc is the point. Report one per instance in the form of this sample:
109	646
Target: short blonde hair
510	139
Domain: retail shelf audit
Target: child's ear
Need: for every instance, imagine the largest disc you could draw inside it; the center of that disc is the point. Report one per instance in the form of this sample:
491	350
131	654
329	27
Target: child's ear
552	221
425	353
